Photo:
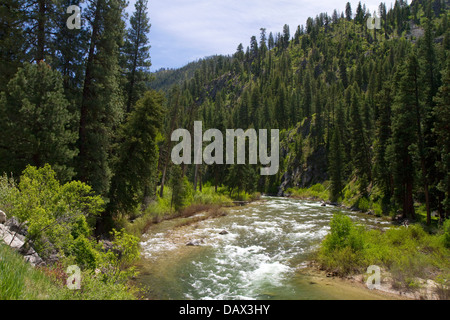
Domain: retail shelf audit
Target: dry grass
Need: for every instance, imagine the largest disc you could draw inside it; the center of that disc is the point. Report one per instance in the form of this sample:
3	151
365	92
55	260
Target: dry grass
210	211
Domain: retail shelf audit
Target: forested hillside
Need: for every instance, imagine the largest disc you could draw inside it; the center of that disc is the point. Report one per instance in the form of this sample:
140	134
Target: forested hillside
364	110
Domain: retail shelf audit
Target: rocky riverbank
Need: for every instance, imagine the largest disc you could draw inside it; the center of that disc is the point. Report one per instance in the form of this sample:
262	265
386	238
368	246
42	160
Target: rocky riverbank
13	235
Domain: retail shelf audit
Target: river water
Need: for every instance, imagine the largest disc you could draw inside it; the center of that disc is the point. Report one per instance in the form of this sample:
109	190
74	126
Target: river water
265	245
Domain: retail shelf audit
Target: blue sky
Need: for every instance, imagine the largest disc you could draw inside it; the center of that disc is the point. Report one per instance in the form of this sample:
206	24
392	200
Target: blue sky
186	30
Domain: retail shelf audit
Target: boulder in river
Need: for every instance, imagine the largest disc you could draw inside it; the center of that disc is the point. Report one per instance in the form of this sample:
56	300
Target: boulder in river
223	232
194	242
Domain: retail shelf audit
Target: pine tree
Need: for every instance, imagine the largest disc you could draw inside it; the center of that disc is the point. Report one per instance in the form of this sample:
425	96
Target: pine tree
335	160
12	40
359	146
382	173
136	165
359	18
101	103
348	11
136	54
404	136
442	131
34	117
181	189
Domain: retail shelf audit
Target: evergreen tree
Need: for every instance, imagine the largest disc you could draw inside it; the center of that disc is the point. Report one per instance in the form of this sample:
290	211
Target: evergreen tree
404	136
101	103
12	40
335	160
34	117
383	132
136	165
359	18
359	146
182	192
348	11
442	131
136	54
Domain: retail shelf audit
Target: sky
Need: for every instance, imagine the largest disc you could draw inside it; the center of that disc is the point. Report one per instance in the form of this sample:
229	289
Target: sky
183	31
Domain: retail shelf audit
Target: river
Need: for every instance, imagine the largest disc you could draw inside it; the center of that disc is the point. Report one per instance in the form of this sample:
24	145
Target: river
259	256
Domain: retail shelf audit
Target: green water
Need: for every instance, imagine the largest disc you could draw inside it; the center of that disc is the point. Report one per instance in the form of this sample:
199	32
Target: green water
260	257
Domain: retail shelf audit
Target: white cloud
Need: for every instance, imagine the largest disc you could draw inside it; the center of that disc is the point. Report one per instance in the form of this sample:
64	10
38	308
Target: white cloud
186	30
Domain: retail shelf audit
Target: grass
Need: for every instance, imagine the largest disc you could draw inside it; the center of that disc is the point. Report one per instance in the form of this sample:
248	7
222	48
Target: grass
160	209
317	192
408	254
20	281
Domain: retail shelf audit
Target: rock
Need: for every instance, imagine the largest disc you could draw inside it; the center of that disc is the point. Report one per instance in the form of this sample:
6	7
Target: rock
107	245
370	212
195	242
33	258
15	226
12	239
2	217
17	242
323	204
223	232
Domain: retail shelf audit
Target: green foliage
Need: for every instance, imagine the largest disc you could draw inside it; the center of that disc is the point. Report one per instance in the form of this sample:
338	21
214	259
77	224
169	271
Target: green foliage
343	233
317	191
20	281
34	116
8	192
136	165
100	102
446	236
136	54
84	253
406	253
55	214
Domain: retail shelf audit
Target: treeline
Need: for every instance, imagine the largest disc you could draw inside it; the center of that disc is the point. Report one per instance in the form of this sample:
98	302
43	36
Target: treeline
78	99
376	100
373	101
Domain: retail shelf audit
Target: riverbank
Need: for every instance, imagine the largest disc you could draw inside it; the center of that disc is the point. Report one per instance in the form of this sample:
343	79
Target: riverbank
413	263
354	284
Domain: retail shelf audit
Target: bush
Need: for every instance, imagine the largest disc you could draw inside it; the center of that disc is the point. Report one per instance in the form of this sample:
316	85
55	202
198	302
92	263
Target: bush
342	249
85	254
343	233
446	236
55	214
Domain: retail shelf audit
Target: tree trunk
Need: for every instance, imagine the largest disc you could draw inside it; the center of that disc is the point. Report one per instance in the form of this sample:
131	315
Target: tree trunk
195	177
169	146
41	31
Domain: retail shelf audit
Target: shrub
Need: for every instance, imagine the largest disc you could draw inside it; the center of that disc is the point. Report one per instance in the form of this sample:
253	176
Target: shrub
85	254
55	214
343	233
446	236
